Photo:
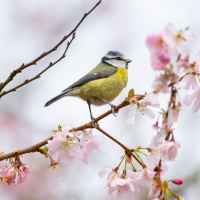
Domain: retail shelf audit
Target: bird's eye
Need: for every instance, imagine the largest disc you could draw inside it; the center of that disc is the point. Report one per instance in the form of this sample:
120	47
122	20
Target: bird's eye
118	58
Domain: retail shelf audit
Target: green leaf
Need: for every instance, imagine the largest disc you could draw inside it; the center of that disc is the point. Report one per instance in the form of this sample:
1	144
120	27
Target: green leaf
168	192
60	128
131	93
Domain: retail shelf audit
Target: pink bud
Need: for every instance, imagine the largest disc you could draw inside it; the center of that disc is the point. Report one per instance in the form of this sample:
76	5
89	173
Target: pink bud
177	181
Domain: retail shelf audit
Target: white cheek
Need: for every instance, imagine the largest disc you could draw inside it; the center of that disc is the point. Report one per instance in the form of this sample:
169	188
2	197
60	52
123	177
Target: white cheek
117	63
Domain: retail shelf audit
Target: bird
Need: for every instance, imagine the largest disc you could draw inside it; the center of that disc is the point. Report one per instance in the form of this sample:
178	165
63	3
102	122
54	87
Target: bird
102	84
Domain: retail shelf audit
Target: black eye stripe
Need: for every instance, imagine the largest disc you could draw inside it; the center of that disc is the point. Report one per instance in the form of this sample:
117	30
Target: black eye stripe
118	58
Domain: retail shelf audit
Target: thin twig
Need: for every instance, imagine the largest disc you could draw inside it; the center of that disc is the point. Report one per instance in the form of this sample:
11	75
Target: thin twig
127	150
39	75
113	139
34	62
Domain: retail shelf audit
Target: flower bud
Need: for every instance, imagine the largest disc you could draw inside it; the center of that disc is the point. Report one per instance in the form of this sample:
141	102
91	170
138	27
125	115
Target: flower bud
177	181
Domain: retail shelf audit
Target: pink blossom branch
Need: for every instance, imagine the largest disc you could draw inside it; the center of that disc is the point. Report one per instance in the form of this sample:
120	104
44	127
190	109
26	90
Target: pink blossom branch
36	147
34	62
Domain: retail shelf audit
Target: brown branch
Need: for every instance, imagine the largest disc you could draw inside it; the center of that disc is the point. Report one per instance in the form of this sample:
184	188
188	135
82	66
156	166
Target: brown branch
34	62
39	75
31	149
113	139
127	150
36	147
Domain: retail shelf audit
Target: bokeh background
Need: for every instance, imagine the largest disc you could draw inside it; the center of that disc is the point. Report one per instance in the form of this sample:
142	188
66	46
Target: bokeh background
27	29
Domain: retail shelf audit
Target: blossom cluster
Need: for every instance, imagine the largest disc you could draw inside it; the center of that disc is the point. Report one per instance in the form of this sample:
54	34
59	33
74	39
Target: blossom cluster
16	173
68	144
166	45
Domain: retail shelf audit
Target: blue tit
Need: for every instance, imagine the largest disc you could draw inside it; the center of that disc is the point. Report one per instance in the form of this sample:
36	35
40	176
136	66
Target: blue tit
102	84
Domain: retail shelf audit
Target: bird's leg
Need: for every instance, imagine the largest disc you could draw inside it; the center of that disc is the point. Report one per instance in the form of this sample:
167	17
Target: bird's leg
92	118
112	107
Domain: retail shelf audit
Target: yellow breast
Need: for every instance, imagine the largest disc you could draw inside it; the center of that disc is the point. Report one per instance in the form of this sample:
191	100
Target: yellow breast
106	88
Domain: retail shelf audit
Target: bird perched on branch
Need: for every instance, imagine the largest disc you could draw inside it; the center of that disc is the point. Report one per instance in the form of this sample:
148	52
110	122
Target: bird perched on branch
102	84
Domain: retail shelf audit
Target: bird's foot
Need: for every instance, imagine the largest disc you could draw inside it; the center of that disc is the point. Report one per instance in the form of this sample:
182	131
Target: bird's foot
95	125
114	112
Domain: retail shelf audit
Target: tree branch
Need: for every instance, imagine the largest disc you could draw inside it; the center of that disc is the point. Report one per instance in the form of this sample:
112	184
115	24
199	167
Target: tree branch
36	147
34	62
39	75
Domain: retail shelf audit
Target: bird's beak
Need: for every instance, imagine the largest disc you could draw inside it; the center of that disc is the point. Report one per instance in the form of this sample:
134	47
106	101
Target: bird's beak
128	60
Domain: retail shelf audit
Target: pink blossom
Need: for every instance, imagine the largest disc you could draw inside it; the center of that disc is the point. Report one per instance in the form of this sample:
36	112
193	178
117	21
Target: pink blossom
197	65
173	114
155	191
189	81
169	150
181	67
150	99
142	177
112	173
195	96
155	155
177	40
152	160
124	183
162	82
17	173
159	53
121	182
130	119
155	43
158	62
64	146
89	143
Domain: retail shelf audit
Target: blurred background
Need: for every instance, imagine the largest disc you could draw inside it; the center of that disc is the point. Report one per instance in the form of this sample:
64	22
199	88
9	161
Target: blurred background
29	28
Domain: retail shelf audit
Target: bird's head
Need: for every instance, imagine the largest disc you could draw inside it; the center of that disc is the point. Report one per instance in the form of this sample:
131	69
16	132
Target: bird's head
116	59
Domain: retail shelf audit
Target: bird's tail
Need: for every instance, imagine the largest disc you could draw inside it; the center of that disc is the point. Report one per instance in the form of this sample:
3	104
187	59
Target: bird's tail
56	98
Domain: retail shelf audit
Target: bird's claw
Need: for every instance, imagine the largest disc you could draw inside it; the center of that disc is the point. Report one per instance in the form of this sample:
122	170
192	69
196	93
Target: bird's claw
95	125
114	112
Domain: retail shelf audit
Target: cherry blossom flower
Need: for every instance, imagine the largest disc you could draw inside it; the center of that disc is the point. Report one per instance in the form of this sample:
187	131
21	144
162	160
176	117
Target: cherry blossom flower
189	81
181	67
142	177
120	182
150	99
155	43
177	40
159	52
64	146
16	173
89	143
158	62
152	160
169	150
195	96
112	173
173	114
162	82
